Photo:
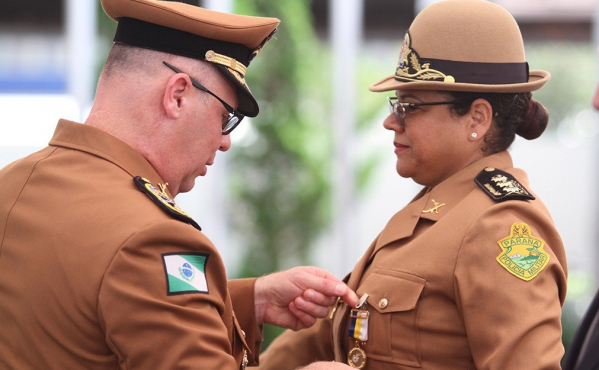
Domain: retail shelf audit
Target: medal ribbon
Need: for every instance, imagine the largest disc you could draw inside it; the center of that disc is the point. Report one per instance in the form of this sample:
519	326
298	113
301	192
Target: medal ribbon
358	325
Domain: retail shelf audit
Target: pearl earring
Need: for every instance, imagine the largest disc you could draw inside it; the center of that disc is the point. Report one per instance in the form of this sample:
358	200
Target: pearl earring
474	135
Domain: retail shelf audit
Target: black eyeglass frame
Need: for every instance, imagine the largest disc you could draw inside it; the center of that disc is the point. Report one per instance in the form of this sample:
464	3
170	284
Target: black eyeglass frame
234	116
399	108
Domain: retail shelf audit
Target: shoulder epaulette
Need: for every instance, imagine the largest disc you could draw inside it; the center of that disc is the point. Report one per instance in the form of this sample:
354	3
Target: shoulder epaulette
164	202
501	186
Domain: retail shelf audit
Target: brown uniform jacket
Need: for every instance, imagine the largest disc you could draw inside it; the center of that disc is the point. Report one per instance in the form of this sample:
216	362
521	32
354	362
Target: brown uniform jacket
439	298
82	275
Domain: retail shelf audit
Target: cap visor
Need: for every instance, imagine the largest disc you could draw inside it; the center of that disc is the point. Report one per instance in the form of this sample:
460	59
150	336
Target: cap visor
247	104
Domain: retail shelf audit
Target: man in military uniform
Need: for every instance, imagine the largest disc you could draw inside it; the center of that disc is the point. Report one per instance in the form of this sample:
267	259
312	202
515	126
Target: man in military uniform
99	268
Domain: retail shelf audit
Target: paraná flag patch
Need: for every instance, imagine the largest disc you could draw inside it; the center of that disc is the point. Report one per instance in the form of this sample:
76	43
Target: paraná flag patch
185	272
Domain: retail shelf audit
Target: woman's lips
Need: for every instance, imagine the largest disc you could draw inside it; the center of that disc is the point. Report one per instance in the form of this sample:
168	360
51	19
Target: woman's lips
400	147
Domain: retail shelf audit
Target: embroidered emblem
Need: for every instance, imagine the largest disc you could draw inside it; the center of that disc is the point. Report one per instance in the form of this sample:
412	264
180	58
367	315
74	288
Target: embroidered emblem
185	272
435	208
161	198
522	254
500	185
410	69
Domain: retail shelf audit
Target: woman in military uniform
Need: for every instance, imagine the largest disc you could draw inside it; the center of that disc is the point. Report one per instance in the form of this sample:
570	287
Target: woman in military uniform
471	274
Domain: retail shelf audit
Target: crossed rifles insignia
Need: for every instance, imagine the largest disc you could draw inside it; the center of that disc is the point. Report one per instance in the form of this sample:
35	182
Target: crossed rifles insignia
435	209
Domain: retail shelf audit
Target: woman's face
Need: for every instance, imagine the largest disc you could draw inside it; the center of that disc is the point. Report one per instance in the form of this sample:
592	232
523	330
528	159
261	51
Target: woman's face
434	144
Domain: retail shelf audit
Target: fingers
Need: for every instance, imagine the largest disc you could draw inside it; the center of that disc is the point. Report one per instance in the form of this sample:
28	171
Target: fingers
325	284
311	308
350	297
305	320
319	298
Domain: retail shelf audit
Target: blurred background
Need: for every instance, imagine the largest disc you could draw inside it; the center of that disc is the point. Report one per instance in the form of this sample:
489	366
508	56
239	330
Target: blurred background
312	180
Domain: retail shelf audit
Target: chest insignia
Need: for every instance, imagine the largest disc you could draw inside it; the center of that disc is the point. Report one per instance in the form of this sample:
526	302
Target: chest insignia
185	272
500	185
522	253
167	204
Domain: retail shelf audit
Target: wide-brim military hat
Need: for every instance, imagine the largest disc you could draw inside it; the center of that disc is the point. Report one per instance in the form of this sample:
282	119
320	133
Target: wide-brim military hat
463	45
229	41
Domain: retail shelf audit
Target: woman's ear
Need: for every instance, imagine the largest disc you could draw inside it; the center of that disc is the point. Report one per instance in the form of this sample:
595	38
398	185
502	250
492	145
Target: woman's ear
481	119
176	94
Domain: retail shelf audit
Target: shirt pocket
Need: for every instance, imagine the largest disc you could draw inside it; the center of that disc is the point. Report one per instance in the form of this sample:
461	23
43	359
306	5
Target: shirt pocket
394	305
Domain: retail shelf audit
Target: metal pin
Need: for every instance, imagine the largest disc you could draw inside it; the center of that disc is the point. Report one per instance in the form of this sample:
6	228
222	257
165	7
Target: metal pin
362	300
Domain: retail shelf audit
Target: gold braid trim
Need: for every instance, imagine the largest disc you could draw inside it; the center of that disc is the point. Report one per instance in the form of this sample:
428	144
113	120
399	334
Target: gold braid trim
224	60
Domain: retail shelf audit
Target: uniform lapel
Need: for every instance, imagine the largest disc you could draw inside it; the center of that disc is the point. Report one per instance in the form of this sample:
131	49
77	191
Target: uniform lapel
403	223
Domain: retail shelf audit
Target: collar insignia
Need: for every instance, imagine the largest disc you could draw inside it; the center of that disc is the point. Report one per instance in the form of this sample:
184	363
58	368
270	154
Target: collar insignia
522	253
409	67
167	204
500	185
436	207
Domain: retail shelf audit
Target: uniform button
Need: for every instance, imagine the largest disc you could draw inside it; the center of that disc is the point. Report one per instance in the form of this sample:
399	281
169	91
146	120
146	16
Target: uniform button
383	303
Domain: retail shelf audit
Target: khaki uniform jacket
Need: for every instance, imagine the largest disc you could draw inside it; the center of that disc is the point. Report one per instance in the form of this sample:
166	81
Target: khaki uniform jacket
439	298
82	275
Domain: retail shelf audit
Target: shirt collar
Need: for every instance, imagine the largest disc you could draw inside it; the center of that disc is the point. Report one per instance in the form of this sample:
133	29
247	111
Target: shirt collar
91	140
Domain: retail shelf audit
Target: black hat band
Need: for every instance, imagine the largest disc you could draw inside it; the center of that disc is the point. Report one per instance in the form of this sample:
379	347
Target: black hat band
135	32
468	72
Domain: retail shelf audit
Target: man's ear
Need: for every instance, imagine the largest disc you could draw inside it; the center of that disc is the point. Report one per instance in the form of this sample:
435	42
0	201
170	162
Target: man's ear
176	94
481	117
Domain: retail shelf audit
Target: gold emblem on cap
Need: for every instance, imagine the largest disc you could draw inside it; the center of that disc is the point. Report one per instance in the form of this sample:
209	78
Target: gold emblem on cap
214	57
408	58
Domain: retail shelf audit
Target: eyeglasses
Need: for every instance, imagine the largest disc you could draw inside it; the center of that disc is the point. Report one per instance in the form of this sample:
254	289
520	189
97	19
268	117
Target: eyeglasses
234	116
399	108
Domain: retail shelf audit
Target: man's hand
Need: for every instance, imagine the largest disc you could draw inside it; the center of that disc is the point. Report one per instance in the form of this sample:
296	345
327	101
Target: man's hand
295	298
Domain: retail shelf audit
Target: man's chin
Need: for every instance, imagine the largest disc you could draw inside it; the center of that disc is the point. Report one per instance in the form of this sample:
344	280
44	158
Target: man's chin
186	186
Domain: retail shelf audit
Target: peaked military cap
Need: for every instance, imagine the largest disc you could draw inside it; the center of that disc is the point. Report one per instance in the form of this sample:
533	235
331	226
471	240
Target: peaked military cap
229	41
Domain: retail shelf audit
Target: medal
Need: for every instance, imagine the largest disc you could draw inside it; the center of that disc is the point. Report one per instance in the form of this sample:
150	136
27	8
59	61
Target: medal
358	330
356	357
244	362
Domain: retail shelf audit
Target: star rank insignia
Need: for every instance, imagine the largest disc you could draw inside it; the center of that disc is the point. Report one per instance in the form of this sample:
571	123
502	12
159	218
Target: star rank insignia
501	186
162	199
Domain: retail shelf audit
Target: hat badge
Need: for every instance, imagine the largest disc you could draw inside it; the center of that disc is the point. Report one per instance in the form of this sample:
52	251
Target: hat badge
410	69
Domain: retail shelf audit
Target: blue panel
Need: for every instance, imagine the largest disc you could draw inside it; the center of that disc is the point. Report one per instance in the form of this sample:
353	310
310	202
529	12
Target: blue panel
50	83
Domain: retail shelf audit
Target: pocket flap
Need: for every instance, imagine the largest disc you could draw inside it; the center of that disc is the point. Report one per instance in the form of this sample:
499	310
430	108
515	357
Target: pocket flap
391	291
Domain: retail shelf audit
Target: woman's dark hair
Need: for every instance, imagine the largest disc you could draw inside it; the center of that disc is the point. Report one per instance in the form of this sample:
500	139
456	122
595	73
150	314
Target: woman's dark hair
513	113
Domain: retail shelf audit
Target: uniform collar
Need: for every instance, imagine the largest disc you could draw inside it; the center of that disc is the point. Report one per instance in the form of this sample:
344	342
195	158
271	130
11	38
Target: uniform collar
434	203
91	140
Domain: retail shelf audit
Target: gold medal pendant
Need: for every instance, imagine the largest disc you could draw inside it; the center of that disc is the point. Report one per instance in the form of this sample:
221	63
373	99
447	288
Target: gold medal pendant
356	357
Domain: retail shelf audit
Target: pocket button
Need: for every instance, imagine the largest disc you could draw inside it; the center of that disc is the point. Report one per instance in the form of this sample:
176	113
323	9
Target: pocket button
383	303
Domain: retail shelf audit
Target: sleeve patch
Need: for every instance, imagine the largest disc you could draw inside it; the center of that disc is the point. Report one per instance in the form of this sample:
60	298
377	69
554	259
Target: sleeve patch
185	272
501	186
167	204
522	254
